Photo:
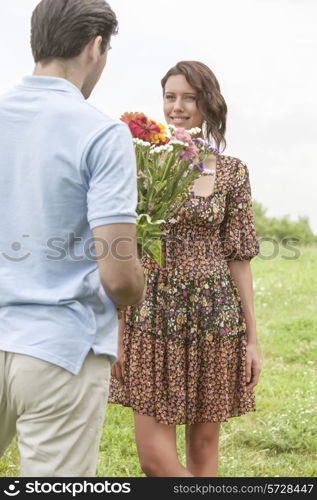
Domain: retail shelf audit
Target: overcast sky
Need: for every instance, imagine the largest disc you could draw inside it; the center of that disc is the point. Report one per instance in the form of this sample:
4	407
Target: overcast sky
263	53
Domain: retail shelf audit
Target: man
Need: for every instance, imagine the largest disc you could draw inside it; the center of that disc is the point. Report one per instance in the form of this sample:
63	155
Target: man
68	198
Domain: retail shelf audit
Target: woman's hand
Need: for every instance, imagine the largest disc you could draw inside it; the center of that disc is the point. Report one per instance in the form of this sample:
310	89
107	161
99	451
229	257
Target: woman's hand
253	366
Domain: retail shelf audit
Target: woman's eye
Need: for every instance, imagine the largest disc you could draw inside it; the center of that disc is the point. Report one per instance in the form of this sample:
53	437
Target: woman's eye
169	97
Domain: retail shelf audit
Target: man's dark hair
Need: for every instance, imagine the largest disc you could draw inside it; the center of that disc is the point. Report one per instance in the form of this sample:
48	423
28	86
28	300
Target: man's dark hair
62	28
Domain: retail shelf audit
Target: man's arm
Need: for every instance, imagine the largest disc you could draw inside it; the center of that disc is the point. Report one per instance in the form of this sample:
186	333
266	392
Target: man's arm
120	269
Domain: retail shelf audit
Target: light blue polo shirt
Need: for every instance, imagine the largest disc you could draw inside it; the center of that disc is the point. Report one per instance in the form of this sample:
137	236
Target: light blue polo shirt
65	168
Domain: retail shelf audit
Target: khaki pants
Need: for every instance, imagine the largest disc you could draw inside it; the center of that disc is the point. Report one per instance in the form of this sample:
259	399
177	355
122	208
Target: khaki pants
57	416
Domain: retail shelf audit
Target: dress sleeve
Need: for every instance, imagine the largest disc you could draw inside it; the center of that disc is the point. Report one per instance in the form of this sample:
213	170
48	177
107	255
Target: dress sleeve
238	235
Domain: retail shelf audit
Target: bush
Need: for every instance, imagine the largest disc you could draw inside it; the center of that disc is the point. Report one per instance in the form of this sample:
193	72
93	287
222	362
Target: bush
283	227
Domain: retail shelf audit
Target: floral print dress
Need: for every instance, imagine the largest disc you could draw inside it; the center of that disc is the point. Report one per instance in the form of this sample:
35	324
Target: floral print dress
185	346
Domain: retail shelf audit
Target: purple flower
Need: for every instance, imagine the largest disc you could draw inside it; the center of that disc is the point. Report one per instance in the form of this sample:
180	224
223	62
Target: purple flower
200	167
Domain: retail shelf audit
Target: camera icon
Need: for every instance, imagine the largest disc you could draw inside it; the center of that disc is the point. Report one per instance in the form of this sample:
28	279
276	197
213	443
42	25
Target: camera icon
16	247
13	491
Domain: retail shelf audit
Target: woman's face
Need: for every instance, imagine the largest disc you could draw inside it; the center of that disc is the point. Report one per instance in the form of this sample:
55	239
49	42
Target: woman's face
180	103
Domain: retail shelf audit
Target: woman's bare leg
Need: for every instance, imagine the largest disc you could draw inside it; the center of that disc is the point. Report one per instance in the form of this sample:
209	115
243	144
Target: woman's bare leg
156	445
202	449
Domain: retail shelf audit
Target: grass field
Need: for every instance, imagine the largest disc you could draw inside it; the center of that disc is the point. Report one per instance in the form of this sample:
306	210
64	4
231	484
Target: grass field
280	438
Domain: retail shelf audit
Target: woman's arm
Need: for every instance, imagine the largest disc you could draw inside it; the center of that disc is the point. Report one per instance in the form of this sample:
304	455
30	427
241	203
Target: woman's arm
242	276
117	369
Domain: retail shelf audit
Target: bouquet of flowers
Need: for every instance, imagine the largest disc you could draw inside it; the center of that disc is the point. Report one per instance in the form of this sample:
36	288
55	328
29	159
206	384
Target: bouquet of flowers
169	160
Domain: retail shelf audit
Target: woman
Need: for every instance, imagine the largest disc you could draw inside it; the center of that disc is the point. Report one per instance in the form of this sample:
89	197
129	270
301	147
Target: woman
188	354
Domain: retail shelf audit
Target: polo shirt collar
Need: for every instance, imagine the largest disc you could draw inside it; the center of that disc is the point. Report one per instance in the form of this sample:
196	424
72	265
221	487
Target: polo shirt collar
51	83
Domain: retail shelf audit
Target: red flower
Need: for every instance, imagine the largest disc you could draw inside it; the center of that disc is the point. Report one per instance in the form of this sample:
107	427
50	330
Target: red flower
143	128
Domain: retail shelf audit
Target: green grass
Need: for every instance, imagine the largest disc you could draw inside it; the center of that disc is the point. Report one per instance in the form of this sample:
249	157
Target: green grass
280	438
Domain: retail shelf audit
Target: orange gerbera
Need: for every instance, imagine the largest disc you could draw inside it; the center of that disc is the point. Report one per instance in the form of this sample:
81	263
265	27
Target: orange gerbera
128	117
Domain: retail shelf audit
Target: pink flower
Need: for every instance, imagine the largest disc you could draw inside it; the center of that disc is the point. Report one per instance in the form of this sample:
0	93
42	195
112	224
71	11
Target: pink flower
182	135
191	151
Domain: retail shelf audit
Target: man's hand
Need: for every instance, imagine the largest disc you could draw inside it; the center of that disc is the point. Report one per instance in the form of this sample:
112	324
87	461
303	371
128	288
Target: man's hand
117	369
121	309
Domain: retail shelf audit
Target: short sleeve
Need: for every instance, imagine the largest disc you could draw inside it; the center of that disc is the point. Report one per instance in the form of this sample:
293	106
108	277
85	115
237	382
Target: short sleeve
111	177
238	235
